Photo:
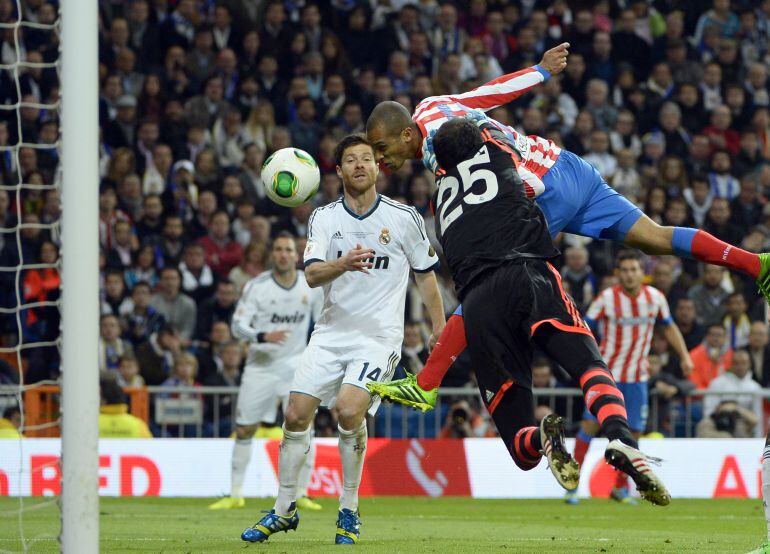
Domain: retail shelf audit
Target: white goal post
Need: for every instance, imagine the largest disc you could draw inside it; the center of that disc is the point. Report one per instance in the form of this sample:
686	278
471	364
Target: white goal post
80	276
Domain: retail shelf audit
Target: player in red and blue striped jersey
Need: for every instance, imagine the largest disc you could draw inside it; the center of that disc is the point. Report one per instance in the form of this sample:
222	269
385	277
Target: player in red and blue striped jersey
625	317
570	192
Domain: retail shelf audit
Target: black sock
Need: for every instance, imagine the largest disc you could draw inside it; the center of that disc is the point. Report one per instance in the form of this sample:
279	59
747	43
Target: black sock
617	428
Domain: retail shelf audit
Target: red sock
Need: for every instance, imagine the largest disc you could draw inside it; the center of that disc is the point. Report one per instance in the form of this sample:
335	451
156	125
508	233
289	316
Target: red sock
707	248
581	447
450	344
621	480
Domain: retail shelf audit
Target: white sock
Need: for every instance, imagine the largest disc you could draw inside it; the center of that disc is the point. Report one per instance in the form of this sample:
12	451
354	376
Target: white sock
306	472
294	449
766	486
352	446
241	457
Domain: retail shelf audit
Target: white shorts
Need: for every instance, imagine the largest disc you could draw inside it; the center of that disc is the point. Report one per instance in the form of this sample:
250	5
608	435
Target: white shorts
262	390
324	369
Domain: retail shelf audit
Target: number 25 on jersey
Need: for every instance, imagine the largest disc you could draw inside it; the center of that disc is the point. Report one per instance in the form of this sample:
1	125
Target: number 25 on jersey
450	200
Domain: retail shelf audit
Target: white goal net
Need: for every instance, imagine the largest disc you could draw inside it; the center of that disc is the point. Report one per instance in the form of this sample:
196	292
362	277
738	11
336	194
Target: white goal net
34	167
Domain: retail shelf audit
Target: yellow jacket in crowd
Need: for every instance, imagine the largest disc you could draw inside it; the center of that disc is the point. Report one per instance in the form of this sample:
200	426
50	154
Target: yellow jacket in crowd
7	430
116	423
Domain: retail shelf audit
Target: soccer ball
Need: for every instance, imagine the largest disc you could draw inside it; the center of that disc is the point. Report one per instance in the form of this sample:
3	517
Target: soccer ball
290	176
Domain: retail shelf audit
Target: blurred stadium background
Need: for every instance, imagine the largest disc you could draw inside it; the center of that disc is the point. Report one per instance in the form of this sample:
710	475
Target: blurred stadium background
668	99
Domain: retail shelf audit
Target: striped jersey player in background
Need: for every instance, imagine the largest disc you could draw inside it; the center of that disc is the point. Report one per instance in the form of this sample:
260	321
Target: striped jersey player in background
625	316
273	315
570	192
360	249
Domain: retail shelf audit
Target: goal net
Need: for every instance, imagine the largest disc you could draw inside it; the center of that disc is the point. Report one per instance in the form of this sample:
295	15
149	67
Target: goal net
45	387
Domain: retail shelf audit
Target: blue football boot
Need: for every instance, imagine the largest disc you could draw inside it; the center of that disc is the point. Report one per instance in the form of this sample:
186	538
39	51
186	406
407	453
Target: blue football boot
348	527
272	523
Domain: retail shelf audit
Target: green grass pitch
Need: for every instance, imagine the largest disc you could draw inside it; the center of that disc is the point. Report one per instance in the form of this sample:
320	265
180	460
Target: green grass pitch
393	525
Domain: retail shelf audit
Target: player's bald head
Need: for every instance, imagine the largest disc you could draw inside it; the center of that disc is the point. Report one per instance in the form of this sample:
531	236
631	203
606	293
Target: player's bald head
389	118
456	140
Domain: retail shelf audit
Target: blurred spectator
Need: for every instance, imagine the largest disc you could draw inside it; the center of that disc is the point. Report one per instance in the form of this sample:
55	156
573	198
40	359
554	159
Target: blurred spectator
197	277
156	355
667	387
759	353
176	307
42	285
111	346
10	423
222	253
685	319
709	295
414	352
712	357
228	375
464	422
210	353
220	307
141	319
579	277
114	420
253	262
733	386
736	321
128	372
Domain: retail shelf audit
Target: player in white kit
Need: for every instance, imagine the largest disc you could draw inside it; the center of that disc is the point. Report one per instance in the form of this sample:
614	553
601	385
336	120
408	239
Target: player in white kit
274	315
360	250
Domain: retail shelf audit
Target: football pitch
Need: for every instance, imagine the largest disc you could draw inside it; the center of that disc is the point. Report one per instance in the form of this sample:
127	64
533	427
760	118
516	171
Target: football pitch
409	525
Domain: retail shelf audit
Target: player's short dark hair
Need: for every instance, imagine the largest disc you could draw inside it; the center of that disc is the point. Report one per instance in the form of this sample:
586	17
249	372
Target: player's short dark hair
348	142
283	235
391	115
457	140
628	255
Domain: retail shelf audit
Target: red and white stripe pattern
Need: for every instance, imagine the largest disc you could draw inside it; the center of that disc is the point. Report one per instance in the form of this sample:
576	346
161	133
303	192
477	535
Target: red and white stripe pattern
537	154
626	325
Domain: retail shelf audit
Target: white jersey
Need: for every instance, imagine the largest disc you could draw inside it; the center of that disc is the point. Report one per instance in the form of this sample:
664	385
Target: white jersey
267	306
357	305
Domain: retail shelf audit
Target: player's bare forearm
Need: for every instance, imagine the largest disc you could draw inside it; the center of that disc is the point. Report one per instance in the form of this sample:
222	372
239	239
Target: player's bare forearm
318	274
431	297
676	340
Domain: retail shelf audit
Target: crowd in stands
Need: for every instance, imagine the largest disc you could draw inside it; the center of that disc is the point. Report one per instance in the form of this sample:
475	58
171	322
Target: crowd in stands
668	99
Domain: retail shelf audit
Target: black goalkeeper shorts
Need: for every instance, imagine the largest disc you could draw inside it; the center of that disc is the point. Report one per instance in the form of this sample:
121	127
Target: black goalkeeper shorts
502	312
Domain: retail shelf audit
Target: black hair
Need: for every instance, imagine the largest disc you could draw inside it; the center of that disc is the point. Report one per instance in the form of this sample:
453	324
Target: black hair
628	255
457	140
112	393
348	142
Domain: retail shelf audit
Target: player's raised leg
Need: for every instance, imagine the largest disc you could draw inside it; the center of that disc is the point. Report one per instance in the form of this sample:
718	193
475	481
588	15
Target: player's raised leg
421	391
501	354
295	447
699	245
578	353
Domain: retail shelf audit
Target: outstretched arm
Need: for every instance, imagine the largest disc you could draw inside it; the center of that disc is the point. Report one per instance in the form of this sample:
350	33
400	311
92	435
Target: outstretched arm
508	88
